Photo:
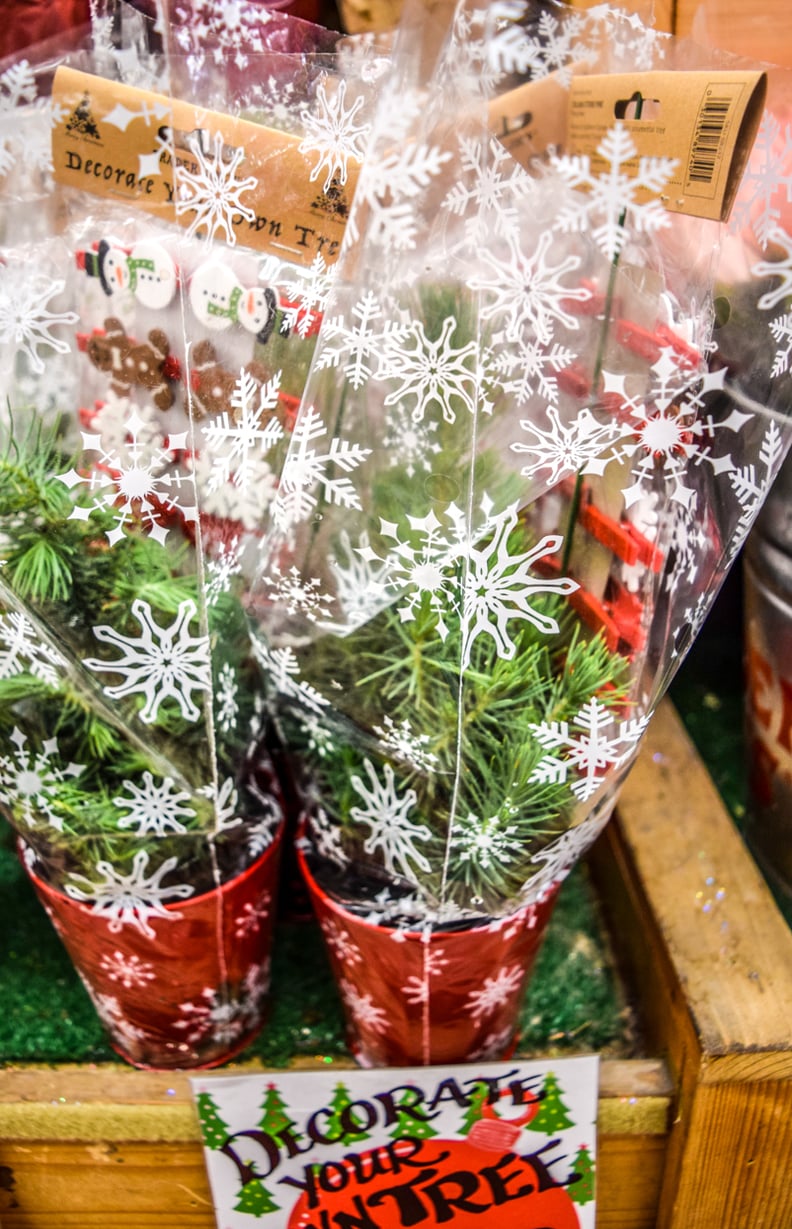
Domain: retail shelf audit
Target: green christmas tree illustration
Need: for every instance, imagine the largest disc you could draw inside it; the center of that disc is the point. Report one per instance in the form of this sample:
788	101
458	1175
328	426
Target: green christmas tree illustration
582	1190
273	1114
341	1099
552	1115
213	1130
406	1124
478	1099
255	1199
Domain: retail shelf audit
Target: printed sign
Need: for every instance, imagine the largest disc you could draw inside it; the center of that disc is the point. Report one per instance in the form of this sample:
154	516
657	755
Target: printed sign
511	1145
237	181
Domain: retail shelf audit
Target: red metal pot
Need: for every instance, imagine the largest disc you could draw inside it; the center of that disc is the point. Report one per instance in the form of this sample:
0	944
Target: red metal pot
193	991
431	996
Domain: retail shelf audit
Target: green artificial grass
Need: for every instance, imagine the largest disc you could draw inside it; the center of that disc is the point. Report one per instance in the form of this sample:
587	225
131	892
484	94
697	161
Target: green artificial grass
573	1003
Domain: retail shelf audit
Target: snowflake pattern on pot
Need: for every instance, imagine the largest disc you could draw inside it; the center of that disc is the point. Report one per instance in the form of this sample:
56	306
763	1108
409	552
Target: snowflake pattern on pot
223	1015
363	1009
131	899
129	970
495	992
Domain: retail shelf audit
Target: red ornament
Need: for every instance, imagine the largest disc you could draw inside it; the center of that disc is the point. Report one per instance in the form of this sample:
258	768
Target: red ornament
424	1183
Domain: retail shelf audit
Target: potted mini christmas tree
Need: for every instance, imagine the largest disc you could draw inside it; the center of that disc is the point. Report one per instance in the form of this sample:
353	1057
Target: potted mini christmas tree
155	335
133	763
517	478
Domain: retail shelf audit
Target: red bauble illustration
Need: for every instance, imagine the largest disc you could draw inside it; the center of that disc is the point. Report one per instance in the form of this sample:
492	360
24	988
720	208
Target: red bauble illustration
457	1182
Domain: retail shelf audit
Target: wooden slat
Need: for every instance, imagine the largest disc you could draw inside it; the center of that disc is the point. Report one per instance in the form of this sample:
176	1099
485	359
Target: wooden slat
710	957
91	1147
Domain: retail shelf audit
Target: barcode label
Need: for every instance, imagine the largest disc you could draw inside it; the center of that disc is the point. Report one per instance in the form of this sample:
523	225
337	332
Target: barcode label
708	139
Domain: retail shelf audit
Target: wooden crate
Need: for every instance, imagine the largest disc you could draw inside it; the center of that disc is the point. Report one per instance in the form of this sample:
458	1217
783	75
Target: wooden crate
696	1135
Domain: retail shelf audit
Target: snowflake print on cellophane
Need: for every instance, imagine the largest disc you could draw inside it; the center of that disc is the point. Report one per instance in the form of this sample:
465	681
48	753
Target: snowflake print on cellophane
542	414
152	370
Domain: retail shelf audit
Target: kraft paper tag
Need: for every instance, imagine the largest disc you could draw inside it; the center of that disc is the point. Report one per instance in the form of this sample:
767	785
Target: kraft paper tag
706	121
114	141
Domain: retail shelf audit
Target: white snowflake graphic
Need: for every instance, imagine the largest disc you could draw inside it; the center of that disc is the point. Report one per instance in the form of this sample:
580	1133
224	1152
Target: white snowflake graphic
493	1045
237	441
403	744
306	468
326	837
283	671
393	178
607	206
26	320
670	429
225	800
306	296
163	663
128	970
334	132
136	481
299	595
781	329
594	744
18	91
419	565
156	807
393	833
221	570
226	698
22	651
113	1016
496	992
220	30
557	859
568	448
132	899
17	86
409	444
766	183
431	372
490	186
525	290
751	489
360	580
417	989
528	368
29	779
551	50
357	343
249	921
485	843
216	1015
776	268
341	943
363	1009
212	191
243	503
260	834
498	586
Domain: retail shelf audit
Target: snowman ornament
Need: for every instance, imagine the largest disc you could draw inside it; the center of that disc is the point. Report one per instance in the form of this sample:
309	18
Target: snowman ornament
219	300
145	271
